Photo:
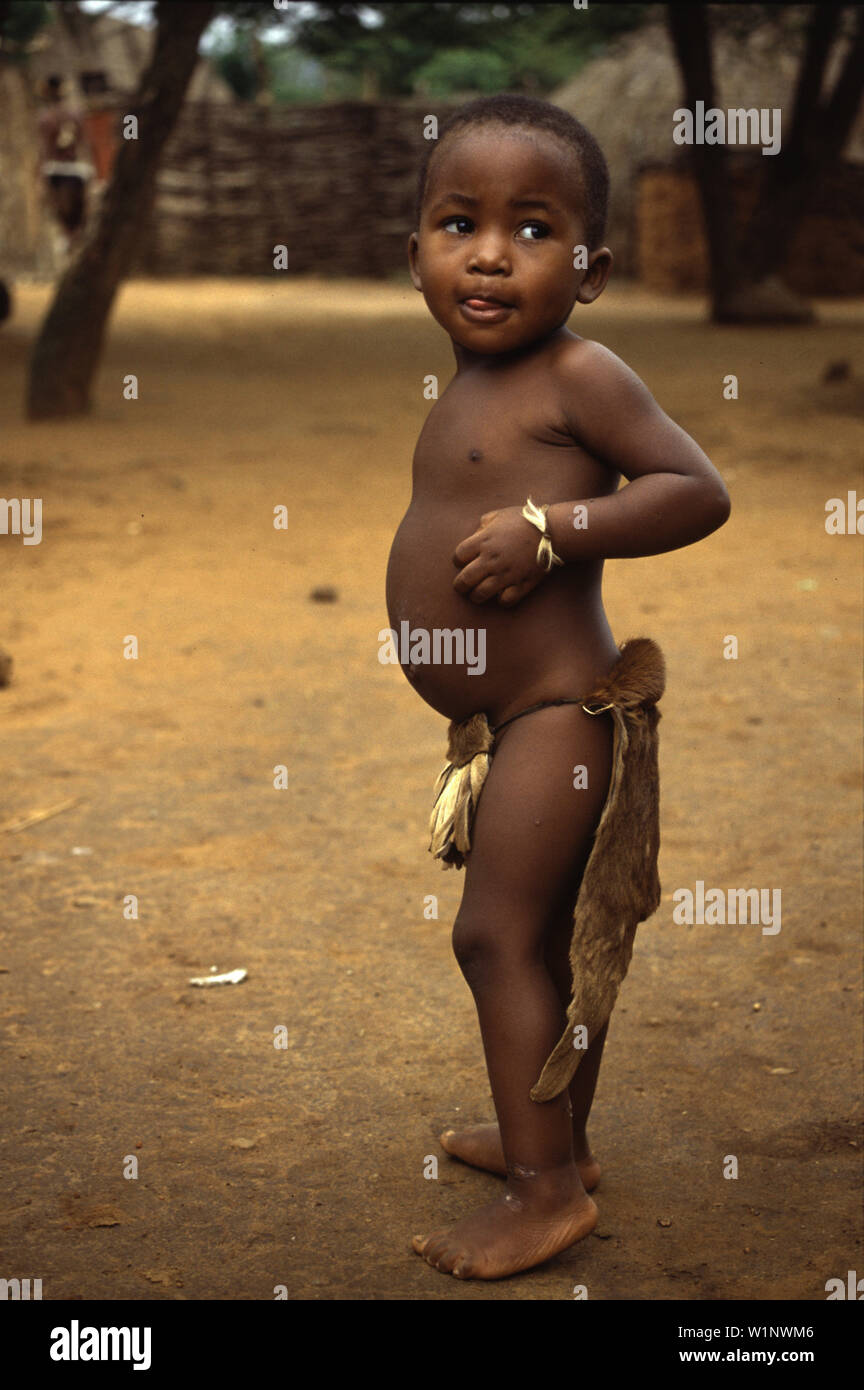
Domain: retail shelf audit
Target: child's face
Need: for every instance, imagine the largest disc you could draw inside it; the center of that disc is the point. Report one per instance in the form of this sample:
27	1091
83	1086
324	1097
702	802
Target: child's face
502	213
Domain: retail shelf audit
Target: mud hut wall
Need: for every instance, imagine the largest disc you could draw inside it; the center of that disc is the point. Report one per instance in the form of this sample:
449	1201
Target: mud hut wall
827	252
333	183
24	231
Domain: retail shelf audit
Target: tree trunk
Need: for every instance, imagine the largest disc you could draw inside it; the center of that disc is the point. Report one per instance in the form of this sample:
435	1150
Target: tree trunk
688	26
746	283
69	346
815	141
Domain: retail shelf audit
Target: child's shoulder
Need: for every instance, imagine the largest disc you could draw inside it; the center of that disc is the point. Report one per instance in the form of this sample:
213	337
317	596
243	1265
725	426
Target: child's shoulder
592	375
590	361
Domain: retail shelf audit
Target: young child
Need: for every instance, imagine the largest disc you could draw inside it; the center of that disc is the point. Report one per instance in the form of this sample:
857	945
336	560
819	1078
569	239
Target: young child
550	795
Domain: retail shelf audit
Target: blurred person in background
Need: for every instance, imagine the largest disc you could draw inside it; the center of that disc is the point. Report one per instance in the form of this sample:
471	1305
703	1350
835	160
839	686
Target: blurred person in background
65	166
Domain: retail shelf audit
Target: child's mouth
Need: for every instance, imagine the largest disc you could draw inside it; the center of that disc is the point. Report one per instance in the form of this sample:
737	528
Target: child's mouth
485	310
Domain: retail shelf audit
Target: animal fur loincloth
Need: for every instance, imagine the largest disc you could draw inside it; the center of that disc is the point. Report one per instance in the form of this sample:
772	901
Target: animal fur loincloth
620	886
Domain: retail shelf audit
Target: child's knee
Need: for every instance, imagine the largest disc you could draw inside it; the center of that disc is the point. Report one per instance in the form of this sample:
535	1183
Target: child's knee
473	947
485	945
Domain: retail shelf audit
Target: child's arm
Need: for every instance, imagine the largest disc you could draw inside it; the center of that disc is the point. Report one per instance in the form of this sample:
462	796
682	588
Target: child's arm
674	495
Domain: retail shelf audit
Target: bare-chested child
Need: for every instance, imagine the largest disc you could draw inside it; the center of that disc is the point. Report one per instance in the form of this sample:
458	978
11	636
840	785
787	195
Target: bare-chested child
511	188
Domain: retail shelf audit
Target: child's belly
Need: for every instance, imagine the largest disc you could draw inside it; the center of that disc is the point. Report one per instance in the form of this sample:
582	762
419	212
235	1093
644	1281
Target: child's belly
462	657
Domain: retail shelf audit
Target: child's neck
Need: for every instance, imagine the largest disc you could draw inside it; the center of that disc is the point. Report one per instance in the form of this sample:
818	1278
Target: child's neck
466	358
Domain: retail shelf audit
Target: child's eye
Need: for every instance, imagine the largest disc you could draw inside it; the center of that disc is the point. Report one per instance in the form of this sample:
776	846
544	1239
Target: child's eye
539	228
466	223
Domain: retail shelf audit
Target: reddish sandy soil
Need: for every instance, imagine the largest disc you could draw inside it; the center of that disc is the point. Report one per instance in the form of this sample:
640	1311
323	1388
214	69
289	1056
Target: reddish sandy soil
303	1166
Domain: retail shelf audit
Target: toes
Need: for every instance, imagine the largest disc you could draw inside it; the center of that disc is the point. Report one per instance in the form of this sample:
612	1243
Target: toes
449	1259
435	1254
432	1247
439	1251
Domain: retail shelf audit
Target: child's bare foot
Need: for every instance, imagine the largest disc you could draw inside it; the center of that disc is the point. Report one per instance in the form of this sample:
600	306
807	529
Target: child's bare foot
480	1145
522	1229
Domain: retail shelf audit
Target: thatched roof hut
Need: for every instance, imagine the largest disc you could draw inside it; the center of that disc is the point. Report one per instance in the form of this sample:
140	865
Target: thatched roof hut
627	98
100	54
99	60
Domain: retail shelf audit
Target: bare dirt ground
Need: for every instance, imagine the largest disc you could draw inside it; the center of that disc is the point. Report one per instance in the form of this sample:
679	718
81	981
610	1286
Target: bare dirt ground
303	1166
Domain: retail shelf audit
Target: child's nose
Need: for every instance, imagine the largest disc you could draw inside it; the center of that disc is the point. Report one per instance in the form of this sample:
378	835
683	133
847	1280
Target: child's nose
489	253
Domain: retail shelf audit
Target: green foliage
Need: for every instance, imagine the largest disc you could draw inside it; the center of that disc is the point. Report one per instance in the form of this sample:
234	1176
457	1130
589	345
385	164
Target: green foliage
296	78
403	49
409	47
236	66
462	70
20	21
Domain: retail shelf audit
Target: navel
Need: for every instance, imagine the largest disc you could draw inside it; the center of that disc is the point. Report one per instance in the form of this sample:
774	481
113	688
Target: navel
475	456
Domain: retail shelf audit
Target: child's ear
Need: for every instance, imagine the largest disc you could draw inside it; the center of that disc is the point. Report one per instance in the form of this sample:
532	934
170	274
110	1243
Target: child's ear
594	280
413	253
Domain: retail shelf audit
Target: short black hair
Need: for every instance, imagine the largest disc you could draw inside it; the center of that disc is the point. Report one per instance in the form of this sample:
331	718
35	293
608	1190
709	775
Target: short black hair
533	114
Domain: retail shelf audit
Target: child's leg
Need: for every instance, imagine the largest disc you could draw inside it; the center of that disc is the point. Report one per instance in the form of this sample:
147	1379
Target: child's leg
480	1145
531	836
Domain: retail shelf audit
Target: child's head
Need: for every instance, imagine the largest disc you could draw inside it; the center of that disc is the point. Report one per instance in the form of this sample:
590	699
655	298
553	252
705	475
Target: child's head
508	191
591	185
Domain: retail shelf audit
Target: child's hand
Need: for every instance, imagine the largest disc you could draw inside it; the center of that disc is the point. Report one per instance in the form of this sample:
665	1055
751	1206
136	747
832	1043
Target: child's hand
500	558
